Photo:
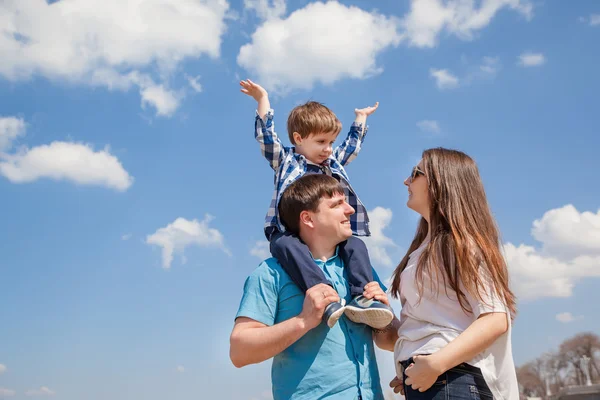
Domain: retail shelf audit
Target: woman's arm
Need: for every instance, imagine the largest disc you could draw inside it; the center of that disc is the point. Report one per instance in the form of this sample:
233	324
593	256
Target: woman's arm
480	335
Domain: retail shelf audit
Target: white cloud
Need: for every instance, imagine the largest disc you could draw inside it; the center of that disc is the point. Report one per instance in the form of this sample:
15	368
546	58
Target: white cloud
570	252
429	126
266	9
531	59
74	162
567	233
595	19
163	100
318	43
10	129
42	391
489	66
182	233
6	392
126	236
378	243
261	250
2	369
427	19
194	83
180	368
443	78
567	317
103	42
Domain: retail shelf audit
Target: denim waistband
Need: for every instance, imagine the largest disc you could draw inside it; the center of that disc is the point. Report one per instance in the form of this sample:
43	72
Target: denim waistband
463	366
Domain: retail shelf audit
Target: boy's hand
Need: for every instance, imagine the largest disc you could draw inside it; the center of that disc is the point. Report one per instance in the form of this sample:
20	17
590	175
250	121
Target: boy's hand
366	111
253	90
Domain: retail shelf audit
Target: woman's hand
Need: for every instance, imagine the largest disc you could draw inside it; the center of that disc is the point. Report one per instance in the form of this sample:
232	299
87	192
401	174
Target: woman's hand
423	372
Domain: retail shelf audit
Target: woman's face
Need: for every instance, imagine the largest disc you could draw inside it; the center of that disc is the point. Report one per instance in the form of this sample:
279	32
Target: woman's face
418	192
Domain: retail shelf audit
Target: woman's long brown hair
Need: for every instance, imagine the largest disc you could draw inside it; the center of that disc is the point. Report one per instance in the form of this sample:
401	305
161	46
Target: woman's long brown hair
465	243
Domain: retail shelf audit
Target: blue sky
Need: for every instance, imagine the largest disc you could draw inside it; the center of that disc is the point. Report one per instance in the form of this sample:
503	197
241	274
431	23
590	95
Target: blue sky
133	192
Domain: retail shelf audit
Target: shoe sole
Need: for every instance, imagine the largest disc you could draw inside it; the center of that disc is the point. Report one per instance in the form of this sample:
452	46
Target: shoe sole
376	318
333	318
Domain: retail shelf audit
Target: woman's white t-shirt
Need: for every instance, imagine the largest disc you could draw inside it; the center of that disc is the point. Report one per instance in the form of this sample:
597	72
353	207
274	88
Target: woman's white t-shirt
431	321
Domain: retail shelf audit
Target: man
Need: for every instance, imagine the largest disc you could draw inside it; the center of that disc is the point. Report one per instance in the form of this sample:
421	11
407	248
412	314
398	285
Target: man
276	320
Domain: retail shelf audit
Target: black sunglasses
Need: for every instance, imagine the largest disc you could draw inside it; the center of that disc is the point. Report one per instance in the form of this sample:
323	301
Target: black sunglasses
415	172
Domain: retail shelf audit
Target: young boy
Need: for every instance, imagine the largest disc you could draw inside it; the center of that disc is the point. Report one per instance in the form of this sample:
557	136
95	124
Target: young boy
313	128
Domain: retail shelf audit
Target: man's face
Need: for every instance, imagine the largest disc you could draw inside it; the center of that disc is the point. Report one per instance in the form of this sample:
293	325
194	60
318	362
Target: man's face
332	218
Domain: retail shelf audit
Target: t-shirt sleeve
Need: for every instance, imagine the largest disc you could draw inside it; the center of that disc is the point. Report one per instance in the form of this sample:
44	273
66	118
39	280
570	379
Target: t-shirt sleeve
376	278
259	300
490	300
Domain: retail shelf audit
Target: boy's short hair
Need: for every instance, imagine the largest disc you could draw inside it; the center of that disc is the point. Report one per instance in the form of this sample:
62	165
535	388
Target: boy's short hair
311	118
305	194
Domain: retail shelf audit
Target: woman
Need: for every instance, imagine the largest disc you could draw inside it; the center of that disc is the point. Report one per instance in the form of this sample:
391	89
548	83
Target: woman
453	340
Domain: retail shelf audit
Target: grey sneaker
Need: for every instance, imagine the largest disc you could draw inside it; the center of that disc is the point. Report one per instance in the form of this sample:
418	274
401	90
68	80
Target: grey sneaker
369	312
332	313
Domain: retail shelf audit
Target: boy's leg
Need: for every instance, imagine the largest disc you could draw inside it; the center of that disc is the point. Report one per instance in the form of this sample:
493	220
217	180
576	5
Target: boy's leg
355	255
295	259
371	312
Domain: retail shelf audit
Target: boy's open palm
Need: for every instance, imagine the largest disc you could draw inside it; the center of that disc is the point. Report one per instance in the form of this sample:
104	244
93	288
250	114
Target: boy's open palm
252	89
367	110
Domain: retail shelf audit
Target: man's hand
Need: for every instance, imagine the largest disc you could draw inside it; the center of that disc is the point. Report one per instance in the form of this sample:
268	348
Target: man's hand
317	298
398	385
253	90
372	290
366	111
423	373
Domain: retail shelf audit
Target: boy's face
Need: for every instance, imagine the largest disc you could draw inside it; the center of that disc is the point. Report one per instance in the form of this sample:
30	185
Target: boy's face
316	147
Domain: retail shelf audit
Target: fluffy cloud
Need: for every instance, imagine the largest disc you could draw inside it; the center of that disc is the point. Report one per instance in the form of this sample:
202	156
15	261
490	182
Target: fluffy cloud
194	83
567	317
6	392
42	391
74	162
182	233
531	59
264	10
105	42
2	368
180	368
261	250
318	43
429	126
427	19
378	244
594	19
566	233
444	79
10	129
555	269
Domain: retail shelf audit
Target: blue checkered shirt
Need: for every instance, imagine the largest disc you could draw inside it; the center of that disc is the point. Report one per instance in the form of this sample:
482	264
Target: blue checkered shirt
289	166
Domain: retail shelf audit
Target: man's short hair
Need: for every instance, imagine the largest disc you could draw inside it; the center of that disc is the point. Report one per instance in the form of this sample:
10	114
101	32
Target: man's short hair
304	195
311	118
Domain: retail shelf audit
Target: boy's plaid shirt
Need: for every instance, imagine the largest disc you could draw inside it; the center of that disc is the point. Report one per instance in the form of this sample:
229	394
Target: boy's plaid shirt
289	166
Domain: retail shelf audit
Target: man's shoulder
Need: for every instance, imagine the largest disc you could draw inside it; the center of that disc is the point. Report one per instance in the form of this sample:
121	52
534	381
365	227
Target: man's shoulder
269	269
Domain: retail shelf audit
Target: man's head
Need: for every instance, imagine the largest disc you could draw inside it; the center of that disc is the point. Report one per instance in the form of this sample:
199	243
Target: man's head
313	128
315	206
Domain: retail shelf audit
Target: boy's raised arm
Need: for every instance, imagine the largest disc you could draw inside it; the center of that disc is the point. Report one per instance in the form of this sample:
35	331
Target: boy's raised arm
264	131
349	149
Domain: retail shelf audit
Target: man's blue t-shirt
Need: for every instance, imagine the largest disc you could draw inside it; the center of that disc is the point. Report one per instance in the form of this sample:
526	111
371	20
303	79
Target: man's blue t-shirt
337	363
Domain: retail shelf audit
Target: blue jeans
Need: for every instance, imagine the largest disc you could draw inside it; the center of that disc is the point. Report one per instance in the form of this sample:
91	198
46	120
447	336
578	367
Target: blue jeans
463	382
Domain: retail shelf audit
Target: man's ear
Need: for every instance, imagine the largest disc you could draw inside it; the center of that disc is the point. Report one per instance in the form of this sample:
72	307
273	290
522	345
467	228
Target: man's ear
306	218
297	138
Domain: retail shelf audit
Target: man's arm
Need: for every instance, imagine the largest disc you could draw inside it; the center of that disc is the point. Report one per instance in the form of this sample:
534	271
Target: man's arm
349	149
385	338
252	342
264	131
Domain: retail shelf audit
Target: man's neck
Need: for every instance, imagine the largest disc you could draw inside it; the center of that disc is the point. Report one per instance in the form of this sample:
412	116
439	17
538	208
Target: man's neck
320	249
